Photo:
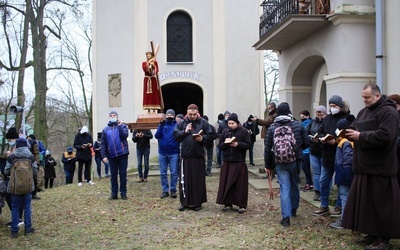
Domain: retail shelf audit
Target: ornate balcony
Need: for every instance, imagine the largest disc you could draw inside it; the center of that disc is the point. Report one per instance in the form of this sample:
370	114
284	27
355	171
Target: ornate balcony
285	22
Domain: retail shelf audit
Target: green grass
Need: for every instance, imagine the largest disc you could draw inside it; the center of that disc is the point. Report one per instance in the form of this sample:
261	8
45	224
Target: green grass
72	217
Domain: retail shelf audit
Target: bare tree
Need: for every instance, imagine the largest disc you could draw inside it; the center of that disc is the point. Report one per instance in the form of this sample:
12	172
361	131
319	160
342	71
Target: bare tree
271	78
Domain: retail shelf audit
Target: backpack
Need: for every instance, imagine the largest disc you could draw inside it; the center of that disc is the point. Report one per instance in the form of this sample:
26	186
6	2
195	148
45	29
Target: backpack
284	145
21	177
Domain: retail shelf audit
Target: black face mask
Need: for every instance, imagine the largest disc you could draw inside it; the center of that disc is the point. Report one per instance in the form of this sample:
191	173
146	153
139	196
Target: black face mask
170	119
303	119
69	153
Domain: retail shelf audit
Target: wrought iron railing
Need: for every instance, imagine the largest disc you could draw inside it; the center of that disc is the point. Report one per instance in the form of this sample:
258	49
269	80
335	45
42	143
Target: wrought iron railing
275	11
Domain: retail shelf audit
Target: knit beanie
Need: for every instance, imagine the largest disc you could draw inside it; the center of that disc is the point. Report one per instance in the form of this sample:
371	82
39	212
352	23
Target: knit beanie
70	149
220	117
171	112
250	118
227	113
180	116
335	99
345	123
32	136
205	117
21	142
283	109
233	117
12	133
113	112
321	108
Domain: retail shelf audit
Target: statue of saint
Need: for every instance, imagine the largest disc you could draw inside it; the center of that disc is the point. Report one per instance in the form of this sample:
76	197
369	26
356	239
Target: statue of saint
151	86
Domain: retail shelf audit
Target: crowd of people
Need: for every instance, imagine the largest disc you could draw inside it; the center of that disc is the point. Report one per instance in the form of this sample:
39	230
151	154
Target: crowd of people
361	152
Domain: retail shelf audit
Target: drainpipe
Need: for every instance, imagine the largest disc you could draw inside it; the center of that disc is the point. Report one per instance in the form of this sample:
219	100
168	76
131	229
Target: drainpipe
379	43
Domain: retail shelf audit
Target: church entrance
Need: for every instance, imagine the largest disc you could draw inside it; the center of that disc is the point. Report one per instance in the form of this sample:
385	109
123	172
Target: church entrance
179	95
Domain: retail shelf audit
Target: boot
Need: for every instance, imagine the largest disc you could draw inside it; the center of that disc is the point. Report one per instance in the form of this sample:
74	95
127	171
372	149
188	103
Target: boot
317	196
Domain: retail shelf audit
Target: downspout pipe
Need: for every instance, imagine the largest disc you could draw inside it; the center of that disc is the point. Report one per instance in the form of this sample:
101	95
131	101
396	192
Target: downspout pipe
379	43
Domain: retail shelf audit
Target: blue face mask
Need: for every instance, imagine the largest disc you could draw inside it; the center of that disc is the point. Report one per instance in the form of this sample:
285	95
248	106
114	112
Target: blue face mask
11	143
113	120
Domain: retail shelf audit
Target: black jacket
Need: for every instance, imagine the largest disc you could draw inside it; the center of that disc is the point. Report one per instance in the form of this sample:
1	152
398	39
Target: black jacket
235	154
312	129
142	142
83	154
252	129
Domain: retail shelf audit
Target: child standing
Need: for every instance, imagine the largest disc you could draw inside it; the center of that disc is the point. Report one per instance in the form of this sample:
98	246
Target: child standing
343	166
49	170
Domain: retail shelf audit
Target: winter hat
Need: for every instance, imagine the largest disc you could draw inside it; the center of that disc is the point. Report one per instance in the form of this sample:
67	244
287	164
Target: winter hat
84	129
345	123
250	118
12	133
180	116
227	113
283	109
21	142
48	152
193	106
335	99
171	112
113	112
233	117
99	135
321	108
32	136
205	117
396	98
220	117
70	149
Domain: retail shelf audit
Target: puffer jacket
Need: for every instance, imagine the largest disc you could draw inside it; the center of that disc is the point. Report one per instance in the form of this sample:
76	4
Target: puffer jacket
235	154
20	153
114	140
190	147
300	134
343	163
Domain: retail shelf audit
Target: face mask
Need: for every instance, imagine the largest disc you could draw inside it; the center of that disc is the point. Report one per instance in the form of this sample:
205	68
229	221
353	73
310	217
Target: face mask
334	111
170	119
303	119
11	143
113	120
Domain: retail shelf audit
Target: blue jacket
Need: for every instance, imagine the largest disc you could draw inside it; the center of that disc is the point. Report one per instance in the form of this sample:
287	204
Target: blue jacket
166	141
114	140
305	124
343	163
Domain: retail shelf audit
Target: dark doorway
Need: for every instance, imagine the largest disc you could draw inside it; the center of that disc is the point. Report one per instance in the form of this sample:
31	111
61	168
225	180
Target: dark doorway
178	96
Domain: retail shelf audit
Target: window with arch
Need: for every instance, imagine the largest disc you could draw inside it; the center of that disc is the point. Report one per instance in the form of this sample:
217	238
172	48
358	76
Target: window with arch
179	37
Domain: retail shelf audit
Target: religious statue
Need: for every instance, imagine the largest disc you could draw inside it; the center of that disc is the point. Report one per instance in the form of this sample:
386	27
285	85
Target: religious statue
152	97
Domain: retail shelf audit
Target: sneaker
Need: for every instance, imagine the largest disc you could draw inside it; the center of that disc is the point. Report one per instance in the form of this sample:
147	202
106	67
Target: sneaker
173	195
321	211
145	180
337	224
9	223
91	183
113	197
227	208
241	210
337	212
164	195
252	163
21	223
29	231
379	244
80	184
14	234
285	222
307	188
140	180
35	197
124	197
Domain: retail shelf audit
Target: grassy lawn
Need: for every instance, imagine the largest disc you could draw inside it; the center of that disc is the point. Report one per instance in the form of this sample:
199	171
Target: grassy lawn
72	217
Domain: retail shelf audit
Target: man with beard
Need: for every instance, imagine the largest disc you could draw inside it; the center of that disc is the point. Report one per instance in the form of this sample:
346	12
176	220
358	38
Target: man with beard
373	203
193	132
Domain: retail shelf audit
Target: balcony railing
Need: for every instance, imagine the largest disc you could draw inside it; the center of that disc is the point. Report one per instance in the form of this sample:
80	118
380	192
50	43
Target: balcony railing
275	11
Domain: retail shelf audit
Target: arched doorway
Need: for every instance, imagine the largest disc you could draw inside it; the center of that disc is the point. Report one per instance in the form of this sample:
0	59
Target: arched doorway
179	95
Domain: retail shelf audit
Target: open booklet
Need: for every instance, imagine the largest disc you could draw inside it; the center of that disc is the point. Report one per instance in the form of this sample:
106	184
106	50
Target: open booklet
327	138
230	140
197	134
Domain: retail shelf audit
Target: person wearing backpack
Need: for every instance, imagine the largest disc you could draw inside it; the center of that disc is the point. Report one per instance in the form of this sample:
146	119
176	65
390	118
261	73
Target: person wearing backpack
284	143
34	148
21	168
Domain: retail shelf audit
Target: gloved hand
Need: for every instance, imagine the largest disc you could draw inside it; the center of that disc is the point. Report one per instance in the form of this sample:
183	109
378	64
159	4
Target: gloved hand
162	122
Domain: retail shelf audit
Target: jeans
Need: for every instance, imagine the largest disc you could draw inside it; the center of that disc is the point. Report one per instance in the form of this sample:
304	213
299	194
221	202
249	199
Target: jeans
140	154
18	201
118	165
69	176
325	185
306	169
98	164
316	165
288	176
343	193
209	153
172	161
87	164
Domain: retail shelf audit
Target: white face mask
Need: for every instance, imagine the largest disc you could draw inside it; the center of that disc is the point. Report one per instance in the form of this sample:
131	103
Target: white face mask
113	120
334	111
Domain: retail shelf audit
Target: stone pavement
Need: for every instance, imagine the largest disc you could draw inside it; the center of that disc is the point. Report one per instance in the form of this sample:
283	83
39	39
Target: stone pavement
259	181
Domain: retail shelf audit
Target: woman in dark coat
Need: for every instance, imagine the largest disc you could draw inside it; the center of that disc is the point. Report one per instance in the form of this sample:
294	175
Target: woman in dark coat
234	180
49	170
